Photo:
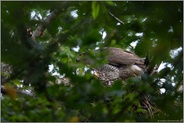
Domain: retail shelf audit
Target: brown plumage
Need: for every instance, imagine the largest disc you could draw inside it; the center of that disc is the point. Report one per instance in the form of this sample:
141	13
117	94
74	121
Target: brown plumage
118	57
127	63
119	64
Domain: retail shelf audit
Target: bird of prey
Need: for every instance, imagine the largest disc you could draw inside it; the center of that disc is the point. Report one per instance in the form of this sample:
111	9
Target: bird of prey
107	73
120	65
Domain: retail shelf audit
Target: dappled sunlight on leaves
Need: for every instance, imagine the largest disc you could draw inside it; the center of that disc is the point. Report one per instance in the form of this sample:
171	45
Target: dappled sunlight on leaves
52	49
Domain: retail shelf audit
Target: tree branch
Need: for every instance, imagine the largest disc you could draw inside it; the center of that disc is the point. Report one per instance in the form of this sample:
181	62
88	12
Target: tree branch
116	18
40	29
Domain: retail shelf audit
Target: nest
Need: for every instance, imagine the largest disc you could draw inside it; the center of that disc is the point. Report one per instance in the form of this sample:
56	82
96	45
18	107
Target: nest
149	106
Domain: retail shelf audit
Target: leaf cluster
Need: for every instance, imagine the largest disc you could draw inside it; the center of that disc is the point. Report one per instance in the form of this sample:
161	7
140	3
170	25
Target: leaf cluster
155	27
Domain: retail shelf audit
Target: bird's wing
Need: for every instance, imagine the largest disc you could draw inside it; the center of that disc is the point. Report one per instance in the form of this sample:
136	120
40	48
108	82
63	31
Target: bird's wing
119	57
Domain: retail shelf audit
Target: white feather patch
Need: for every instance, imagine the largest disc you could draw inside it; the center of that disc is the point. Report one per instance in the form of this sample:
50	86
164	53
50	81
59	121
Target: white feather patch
136	69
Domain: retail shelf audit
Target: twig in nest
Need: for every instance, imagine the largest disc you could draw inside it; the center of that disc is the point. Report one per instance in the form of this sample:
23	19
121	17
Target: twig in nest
150	106
116	18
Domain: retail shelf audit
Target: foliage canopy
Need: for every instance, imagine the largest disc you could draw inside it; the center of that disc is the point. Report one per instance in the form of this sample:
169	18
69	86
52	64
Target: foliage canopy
36	35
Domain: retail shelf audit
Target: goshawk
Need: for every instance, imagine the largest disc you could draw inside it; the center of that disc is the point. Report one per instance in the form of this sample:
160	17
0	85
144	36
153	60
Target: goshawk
119	64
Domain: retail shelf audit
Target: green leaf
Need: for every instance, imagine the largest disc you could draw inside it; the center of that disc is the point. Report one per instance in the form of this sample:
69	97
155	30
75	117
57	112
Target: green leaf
17	82
110	3
95	9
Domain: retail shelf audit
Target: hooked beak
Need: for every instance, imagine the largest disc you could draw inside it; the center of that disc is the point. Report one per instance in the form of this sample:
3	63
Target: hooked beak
96	74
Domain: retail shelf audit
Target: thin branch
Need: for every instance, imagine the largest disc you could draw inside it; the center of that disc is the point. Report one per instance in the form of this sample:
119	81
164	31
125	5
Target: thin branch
40	29
116	18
